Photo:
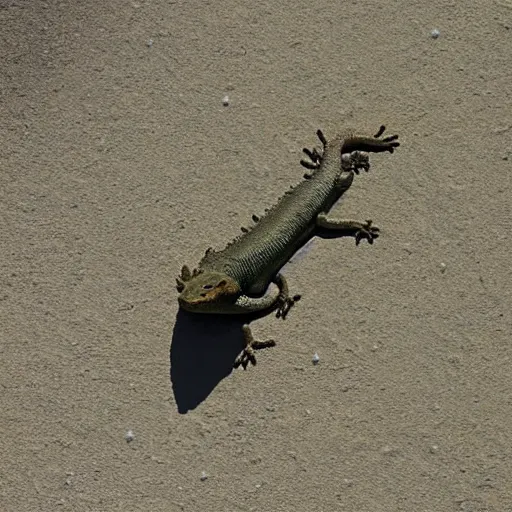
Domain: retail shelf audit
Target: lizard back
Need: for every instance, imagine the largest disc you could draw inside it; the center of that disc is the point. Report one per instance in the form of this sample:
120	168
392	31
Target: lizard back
255	257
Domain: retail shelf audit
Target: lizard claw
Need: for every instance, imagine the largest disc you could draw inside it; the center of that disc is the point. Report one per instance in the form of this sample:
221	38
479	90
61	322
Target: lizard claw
391	140
285	304
367	231
247	356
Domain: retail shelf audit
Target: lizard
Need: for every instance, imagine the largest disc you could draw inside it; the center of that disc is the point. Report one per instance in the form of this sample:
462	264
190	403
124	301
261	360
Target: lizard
244	277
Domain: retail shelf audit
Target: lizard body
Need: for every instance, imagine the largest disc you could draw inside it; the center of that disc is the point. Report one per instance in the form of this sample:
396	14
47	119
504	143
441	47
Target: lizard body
244	277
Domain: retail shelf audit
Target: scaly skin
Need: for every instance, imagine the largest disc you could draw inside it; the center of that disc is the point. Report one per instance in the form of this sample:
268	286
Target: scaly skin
244	277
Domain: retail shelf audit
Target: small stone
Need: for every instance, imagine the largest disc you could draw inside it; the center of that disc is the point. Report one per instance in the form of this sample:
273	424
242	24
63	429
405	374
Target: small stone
435	33
225	101
129	436
316	358
204	476
390	451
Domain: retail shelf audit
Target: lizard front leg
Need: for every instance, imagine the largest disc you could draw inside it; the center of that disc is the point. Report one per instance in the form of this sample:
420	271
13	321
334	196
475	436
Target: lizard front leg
282	305
247	356
357	229
276	298
284	301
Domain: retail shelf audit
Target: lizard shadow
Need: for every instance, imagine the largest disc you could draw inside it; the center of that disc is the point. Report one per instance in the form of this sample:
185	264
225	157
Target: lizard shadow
203	350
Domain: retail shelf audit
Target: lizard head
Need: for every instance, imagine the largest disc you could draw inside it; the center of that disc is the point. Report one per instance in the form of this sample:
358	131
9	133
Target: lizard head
204	291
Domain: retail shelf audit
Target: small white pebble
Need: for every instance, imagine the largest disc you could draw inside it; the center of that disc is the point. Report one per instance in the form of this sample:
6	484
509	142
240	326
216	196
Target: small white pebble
225	100
435	33
130	436
316	358
442	266
204	476
150	43
389	450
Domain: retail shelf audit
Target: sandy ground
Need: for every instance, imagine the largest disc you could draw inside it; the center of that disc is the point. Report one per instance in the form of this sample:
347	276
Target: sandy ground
119	163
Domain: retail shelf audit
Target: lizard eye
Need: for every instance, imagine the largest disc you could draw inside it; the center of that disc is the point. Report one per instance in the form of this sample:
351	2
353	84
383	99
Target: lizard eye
207	287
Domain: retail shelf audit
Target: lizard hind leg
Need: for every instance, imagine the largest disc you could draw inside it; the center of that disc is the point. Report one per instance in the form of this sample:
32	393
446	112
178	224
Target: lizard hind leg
356	161
284	302
357	229
247	355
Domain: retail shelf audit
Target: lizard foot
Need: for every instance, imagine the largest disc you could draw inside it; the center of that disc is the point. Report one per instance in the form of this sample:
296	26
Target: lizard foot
356	161
355	228
367	231
315	159
391	140
247	356
285	304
